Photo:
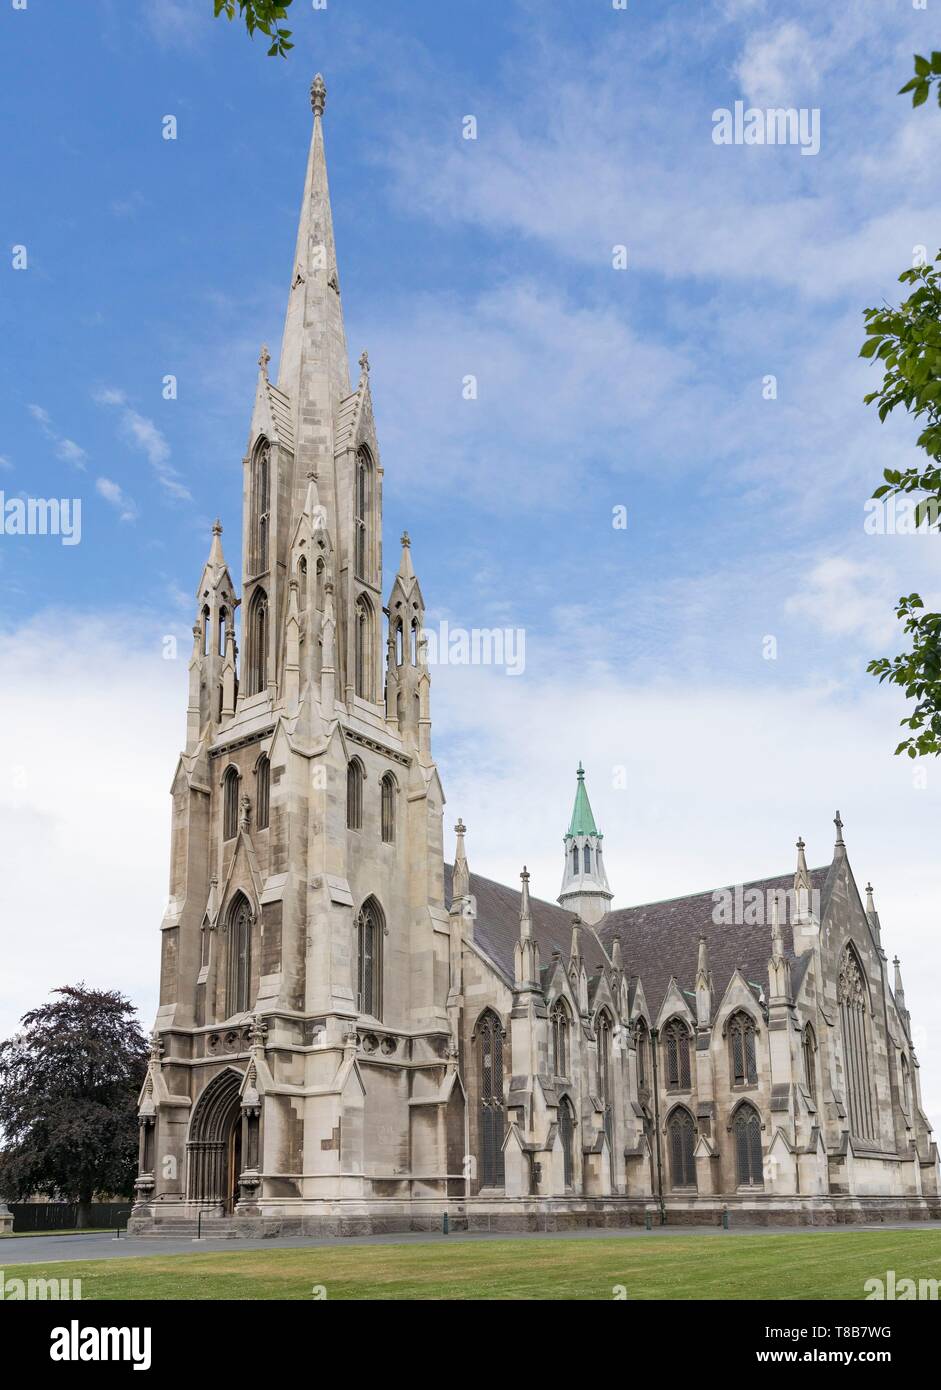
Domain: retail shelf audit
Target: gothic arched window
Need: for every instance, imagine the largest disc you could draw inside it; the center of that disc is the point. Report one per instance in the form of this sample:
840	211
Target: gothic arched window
808	1049
906	1084
362	655
261	494
681	1136
363	518
603	1035
262	792
387	787
355	776
258	642
676	1049
302	583
575	859
369	959
559	1027
641	1037
240	956
230	804
746	1128
742	1052
855	1031
586	858
567	1136
490	1112
207	630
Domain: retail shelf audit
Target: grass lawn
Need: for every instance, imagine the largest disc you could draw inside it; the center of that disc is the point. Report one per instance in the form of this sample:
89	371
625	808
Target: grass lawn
813	1266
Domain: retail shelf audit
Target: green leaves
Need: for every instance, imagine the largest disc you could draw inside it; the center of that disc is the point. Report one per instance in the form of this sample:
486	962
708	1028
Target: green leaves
907	341
262	15
926	72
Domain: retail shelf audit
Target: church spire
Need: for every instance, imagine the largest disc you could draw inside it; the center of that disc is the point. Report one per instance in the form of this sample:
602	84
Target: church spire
313	370
213	644
460	881
585	887
527	949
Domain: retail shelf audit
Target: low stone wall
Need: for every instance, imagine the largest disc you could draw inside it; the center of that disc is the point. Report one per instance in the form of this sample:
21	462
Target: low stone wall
532	1216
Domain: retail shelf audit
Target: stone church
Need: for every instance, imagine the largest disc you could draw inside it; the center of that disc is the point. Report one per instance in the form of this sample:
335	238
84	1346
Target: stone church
354	1035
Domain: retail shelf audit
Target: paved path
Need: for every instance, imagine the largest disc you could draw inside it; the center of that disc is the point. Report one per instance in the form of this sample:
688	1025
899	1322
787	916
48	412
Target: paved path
46	1249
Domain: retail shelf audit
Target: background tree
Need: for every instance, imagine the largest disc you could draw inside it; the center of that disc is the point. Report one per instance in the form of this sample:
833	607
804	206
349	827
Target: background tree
907	341
263	16
69	1082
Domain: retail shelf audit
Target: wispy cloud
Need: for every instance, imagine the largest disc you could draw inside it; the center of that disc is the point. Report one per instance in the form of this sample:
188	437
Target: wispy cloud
112	493
174	23
66	449
126	206
141	432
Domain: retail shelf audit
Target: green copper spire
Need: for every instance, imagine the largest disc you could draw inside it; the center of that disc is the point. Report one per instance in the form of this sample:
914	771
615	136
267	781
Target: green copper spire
583	822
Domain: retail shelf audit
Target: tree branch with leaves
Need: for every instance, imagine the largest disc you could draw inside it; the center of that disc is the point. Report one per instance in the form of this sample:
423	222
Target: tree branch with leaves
906	340
262	16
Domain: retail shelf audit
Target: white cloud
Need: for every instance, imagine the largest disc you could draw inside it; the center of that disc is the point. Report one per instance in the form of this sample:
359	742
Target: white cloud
85	844
71	452
846	597
111	492
66	449
141	431
126	206
174	23
780	67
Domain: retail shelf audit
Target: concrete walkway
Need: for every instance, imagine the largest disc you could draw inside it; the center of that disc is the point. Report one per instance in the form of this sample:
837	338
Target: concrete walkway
47	1249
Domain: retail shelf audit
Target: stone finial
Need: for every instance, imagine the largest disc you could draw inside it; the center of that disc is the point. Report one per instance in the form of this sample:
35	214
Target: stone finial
777	935
838	822
406	540
870	904
461	878
318	95
263	359
364	362
217	527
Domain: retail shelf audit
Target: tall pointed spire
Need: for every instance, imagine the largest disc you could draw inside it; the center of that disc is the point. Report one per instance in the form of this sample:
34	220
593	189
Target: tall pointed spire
527	948
526	916
314	366
460	881
585	887
898	989
406	568
582	822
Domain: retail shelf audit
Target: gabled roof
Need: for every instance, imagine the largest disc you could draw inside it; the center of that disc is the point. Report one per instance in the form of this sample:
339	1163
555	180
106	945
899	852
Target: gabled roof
659	940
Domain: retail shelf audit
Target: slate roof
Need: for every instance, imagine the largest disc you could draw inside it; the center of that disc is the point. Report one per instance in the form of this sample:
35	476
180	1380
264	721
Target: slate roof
658	940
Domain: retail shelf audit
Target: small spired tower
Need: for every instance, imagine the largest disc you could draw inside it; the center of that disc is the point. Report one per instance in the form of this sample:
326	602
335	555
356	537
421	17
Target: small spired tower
585	888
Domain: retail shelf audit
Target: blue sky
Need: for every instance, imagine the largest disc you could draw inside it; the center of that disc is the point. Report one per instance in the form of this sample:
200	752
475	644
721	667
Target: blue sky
597	388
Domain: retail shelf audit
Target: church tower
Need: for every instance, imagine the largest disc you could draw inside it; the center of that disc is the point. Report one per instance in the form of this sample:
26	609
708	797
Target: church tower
585	888
303	1060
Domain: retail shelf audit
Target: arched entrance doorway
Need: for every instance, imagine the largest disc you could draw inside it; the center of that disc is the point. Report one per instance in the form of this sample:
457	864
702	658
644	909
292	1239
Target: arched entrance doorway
214	1150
